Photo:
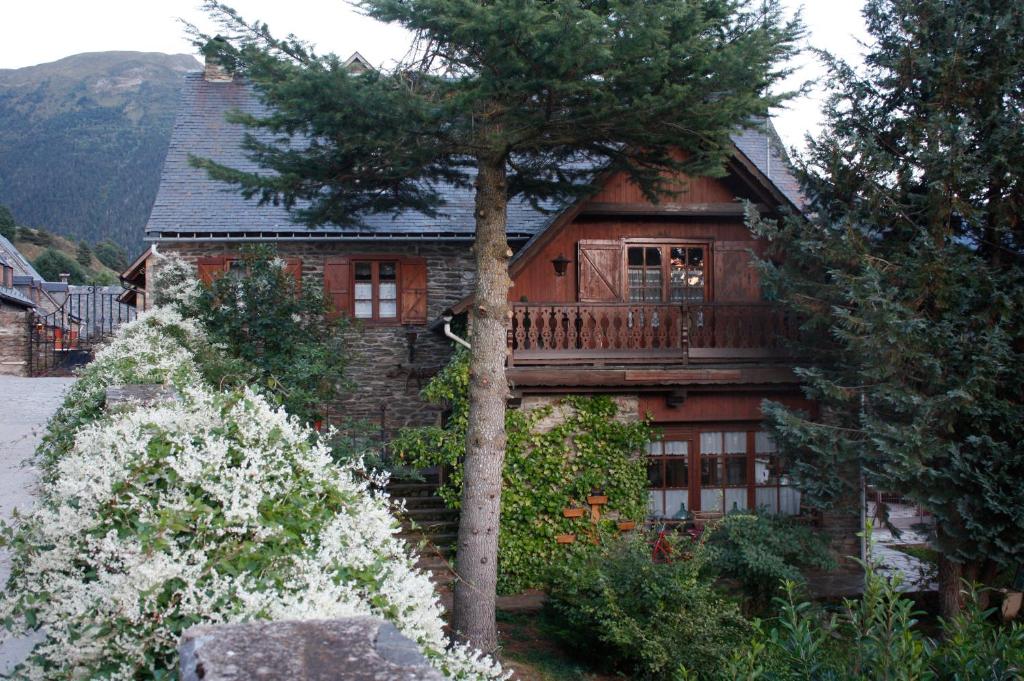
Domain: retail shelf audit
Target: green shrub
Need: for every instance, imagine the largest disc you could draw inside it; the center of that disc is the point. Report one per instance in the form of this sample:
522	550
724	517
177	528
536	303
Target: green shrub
655	620
213	507
550	464
112	255
877	637
281	334
51	263
8	228
759	552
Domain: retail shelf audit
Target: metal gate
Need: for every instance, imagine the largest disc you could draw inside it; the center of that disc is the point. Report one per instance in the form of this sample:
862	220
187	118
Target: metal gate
68	336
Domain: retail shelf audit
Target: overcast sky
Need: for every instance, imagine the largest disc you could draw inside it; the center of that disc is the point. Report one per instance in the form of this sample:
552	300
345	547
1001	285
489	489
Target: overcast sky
44	31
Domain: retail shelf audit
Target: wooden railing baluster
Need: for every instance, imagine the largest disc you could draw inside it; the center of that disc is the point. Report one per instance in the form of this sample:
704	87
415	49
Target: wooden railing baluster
638	333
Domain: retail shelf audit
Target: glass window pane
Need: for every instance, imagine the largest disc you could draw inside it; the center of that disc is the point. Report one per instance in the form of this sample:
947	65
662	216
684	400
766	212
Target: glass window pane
676	473
654	476
388	290
388	309
675	504
364	291
712	500
653	256
652	288
363	271
696	258
766	470
678	447
735	442
736	471
635	256
711	443
655	505
711	471
388	271
654	447
763	442
364	309
735	500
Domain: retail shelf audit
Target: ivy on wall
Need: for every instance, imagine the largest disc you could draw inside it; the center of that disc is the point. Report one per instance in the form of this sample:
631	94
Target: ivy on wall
557	455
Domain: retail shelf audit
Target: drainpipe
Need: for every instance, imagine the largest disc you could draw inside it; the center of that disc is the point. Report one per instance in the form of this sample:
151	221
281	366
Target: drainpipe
447	317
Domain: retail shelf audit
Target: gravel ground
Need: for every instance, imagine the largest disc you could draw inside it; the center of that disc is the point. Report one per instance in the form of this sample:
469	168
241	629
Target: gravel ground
25	406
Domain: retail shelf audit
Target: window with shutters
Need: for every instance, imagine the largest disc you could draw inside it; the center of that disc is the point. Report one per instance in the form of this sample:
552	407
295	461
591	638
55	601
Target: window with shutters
667	273
214	267
377	289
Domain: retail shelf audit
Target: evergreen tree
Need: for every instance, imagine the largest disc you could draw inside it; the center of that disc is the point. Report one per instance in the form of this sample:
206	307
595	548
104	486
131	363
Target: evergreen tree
511	98
52	263
112	255
8	229
909	276
83	254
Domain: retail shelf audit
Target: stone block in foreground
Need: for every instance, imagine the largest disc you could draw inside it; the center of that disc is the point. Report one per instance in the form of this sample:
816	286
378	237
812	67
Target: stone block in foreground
139	394
354	649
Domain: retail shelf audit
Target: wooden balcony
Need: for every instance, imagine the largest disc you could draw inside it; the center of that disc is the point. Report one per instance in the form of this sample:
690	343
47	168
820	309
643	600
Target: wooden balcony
652	334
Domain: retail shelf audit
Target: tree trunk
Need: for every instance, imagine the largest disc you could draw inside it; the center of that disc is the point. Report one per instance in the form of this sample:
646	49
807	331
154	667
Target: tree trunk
477	551
950	599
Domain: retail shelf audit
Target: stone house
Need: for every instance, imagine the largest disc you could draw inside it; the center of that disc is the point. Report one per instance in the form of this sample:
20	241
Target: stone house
657	304
16	314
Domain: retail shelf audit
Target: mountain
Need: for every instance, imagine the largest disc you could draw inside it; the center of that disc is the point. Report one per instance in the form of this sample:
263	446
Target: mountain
82	141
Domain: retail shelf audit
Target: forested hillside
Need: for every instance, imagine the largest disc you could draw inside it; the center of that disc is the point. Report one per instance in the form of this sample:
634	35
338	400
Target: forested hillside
82	141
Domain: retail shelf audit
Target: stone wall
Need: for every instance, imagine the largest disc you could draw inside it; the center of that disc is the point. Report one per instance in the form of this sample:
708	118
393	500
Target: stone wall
628	405
354	649
14	339
387	384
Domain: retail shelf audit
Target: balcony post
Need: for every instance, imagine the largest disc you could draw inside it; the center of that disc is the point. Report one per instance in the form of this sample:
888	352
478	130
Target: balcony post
684	332
509	340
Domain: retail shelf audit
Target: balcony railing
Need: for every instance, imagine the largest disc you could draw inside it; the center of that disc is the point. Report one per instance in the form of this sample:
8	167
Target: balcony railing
611	333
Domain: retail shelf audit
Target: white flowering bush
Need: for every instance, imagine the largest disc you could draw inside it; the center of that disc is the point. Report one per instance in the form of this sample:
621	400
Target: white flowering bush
217	507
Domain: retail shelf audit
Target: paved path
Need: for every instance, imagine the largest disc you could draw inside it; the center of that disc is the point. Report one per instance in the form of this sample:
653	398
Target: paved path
27	404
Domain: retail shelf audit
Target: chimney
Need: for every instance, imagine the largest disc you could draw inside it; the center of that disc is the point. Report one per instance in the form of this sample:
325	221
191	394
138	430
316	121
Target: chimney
64	276
215	71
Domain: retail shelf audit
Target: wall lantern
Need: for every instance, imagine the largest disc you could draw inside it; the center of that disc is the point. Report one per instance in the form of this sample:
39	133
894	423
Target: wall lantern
561	264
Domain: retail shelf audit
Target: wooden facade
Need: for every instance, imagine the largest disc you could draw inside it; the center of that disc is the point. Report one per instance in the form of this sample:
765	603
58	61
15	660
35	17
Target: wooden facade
662	304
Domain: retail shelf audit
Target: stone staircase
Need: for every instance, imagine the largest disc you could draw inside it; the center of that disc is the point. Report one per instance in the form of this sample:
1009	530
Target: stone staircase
428	527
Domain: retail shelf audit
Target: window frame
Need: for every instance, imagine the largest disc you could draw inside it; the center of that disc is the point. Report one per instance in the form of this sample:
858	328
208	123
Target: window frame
375	262
695	464
665	245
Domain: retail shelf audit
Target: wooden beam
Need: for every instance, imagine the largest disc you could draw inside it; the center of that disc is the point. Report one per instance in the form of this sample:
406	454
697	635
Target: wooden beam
701	210
581	377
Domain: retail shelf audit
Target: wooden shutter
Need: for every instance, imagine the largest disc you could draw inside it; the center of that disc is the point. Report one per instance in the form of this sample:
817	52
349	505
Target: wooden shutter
600	271
293	266
735	275
211	268
414	290
337	286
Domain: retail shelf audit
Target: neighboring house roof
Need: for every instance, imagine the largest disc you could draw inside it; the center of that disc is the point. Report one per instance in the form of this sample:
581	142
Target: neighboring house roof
191	206
12	295
19	262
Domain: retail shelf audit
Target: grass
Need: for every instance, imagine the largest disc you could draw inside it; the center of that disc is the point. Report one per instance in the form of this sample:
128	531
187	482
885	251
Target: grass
532	654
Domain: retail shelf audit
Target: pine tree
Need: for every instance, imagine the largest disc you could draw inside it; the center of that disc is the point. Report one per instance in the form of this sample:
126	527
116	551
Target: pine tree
8	228
83	254
909	276
514	99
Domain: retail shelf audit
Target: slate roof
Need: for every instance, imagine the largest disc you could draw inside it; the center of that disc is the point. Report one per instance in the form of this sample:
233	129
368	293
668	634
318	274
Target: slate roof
191	206
16	260
13	295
